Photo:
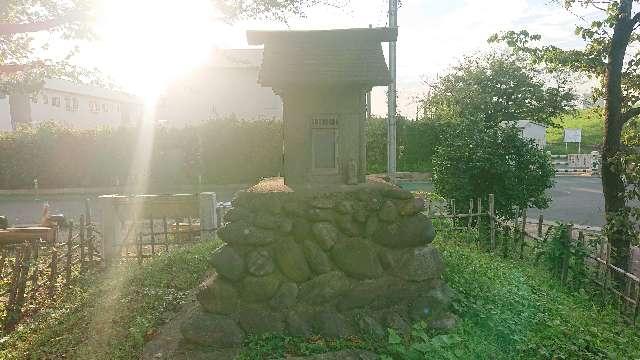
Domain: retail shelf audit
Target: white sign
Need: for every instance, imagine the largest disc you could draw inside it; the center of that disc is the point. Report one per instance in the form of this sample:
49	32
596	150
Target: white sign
573	135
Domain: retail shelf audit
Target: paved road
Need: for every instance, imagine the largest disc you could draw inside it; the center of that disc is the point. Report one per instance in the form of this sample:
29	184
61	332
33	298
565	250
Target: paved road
576	199
23	209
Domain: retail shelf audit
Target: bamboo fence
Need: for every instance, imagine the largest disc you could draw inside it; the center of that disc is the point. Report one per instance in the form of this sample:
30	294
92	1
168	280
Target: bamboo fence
518	234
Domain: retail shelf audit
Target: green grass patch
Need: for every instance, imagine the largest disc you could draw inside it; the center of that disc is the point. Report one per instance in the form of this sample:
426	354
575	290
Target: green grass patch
591	121
508	309
110	315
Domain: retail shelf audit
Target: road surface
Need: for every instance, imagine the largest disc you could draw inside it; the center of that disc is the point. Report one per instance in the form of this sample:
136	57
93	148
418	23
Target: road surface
576	199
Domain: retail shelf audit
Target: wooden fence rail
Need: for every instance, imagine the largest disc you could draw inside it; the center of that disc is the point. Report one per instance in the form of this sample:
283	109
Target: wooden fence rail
39	269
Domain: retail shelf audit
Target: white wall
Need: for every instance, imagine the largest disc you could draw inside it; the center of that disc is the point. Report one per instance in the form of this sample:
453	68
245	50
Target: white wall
537	133
5	115
106	113
215	92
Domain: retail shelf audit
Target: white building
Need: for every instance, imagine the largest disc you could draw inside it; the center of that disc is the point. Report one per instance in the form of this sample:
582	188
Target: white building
72	105
226	86
532	130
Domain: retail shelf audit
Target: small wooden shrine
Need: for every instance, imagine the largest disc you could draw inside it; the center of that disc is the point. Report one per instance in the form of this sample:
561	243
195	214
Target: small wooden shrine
323	77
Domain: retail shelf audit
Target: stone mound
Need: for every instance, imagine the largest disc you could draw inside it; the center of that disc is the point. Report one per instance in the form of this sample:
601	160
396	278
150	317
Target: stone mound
334	262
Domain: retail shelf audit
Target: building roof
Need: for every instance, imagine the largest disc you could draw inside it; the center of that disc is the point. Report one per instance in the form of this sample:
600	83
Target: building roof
236	58
323	56
525	123
90	90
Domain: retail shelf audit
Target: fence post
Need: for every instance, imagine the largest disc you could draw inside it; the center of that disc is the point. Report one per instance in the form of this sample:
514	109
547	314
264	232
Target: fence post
523	232
153	236
479	212
564	260
540	223
53	274
10	317
165	229
35	246
208	217
82	230
110	227
89	231
67	270
492	220
470	214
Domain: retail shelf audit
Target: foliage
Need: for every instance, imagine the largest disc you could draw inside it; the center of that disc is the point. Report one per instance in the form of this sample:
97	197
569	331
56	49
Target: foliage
630	163
26	62
510	309
589	120
612	55
564	257
268	9
416	142
473	160
497	87
507	310
110	315
221	151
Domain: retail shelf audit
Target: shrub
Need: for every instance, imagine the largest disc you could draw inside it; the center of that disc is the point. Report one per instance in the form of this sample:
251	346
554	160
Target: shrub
219	152
474	160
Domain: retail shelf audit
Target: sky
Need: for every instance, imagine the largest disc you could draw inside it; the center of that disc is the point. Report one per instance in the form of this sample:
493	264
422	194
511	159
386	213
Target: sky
143	44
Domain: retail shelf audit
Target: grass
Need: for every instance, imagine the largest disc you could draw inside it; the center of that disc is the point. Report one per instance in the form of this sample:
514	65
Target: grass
591	121
110	315
508	309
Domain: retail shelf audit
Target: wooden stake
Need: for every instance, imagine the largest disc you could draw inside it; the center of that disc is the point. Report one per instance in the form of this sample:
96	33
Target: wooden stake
82	232
35	245
470	220
165	229
523	231
540	223
153	236
492	220
53	267
67	269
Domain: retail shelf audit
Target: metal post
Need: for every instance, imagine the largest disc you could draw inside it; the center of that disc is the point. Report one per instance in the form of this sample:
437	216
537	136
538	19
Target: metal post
208	218
391	125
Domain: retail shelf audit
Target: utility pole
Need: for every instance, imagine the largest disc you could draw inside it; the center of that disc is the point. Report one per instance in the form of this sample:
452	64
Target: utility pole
391	123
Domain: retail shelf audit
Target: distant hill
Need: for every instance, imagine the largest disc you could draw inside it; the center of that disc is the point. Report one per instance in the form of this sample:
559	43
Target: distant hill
591	121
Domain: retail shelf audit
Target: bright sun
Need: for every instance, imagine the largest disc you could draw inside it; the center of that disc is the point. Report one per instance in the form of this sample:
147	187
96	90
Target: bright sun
147	43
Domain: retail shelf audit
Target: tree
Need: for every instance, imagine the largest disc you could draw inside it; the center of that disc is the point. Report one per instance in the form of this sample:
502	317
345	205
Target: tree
611	55
477	160
494	88
23	61
270	9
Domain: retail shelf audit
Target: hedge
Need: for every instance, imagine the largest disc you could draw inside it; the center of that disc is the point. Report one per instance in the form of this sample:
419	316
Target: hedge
225	151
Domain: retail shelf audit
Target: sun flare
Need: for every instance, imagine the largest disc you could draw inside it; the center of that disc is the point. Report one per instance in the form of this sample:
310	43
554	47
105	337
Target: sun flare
147	43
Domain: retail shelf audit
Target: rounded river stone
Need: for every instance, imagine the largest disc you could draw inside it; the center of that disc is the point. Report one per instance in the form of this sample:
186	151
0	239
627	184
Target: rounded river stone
317	259
326	234
218	296
291	260
324	288
260	263
413	231
285	297
212	331
419	264
357	258
228	263
389	212
258	289
259	321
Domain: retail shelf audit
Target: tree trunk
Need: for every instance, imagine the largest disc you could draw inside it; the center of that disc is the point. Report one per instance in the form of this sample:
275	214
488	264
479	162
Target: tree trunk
612	183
